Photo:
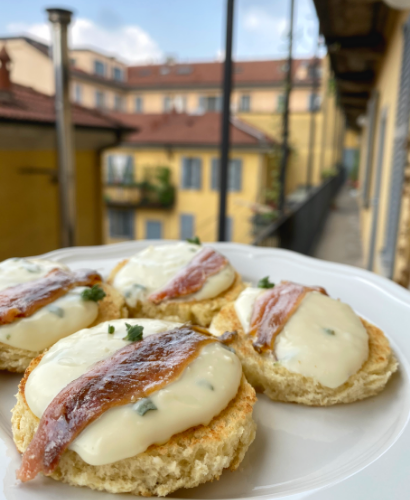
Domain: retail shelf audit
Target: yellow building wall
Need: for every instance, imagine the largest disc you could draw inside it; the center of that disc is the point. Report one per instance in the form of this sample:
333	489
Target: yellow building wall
84	59
88	91
30	67
203	204
387	84
29	213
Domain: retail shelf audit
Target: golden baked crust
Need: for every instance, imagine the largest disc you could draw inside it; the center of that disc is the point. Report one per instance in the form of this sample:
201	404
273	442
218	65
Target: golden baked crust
197	312
112	306
280	384
188	459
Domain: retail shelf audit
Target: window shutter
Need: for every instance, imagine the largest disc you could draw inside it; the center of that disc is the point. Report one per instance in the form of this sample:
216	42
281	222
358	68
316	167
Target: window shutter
215	174
371	118
228	228
110	170
186	226
399	158
185	177
197	173
235	175
153	230
202	104
129	170
218	103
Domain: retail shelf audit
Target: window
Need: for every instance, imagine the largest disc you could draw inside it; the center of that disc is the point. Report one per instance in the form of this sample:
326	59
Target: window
144	72
164	70
245	103
180	103
139	104
184	70
229	228
191	173
118	74
314	101
186	226
77	93
118	103
121	223
99	68
120	169
280	103
168	104
234	175
210	103
153	230
99	99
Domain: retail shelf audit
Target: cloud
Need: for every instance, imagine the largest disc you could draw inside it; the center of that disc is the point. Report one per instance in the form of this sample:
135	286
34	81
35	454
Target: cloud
267	23
128	42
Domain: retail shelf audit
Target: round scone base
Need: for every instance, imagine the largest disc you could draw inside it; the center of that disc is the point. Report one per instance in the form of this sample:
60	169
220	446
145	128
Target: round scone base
198	312
188	459
14	359
280	384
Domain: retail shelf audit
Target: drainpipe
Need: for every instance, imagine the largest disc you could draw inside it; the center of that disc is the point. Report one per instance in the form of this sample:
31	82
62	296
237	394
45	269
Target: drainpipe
226	115
60	19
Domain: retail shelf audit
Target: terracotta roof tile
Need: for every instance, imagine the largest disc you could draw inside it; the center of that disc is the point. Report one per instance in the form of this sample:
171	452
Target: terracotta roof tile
210	73
26	104
185	130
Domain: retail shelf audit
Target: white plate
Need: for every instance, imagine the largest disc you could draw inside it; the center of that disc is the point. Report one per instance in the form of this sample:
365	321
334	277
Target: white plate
357	451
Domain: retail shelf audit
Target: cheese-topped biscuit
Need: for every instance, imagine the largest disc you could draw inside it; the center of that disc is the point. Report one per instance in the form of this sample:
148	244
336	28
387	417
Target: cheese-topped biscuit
149	406
298	344
42	302
181	281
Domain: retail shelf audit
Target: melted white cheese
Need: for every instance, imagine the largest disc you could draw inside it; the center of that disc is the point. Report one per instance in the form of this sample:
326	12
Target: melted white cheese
51	323
324	340
244	306
14	271
151	269
202	391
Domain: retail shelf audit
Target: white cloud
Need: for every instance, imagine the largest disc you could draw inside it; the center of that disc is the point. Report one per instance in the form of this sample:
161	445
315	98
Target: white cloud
130	43
267	23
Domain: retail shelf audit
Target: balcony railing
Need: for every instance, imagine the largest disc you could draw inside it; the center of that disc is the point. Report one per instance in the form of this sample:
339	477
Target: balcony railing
143	195
300	227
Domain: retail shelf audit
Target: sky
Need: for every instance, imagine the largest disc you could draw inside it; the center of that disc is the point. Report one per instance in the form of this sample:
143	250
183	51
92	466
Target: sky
143	31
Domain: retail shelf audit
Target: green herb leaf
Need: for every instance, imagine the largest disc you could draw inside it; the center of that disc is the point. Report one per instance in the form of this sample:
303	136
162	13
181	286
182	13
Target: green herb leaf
265	283
95	293
144	405
8	336
194	241
205	383
134	332
329	331
58	311
111	329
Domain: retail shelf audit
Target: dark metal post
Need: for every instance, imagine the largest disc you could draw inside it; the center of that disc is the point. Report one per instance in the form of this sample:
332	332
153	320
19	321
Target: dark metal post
225	124
60	19
285	126
324	128
313	110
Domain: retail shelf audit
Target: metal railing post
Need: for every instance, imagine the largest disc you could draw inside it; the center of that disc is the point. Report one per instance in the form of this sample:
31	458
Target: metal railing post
226	112
285	132
60	19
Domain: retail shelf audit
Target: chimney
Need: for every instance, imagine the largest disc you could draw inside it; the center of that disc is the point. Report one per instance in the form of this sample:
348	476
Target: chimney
59	20
5	82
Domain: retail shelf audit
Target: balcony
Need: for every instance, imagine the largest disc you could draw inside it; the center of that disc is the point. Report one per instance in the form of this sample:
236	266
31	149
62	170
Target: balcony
155	191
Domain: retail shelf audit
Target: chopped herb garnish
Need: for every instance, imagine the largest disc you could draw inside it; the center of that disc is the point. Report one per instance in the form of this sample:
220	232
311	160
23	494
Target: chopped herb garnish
133	289
276	363
8	336
205	383
58	311
111	329
265	283
30	267
144	405
194	241
228	348
329	331
95	293
134	332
